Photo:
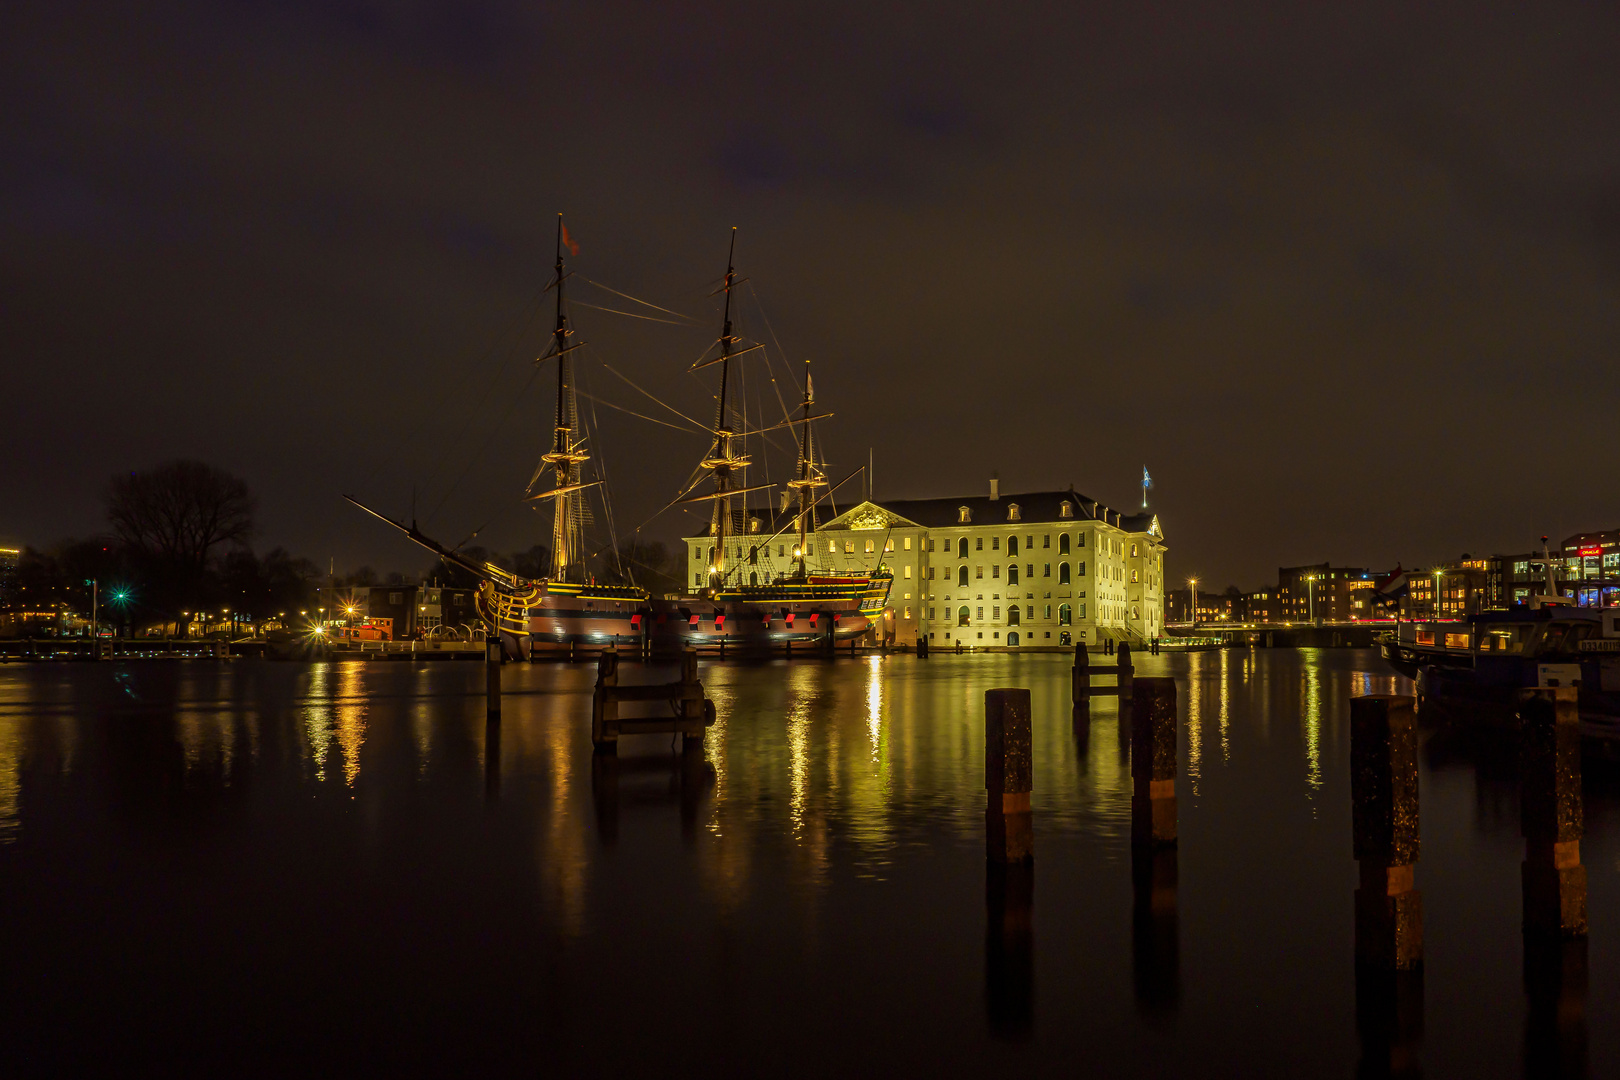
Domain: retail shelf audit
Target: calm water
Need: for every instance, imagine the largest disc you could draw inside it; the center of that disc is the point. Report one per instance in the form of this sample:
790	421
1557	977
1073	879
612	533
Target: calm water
278	868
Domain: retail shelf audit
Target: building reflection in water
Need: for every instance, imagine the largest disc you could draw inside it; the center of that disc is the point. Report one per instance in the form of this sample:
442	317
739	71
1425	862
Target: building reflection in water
1009	949
10	778
1313	727
1226	700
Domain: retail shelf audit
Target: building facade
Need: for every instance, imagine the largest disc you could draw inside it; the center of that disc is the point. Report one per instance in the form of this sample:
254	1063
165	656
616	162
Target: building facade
1041	568
1323	592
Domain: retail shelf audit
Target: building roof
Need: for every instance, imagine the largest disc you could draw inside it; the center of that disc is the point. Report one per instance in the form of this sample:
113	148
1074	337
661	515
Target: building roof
1033	507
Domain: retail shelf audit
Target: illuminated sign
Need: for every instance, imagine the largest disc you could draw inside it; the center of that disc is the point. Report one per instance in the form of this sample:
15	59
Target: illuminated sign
1592	550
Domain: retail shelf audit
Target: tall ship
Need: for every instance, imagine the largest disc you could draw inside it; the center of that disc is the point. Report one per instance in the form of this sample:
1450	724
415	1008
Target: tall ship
567	609
800	606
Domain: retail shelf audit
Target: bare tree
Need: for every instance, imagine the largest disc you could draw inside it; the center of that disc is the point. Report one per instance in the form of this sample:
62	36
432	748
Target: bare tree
179	512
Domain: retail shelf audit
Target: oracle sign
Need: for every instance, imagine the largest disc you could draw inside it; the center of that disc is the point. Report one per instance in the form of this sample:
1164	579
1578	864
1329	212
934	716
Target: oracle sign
1593	549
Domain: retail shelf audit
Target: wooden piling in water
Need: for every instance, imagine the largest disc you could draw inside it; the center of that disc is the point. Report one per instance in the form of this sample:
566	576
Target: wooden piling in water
1551	813
1126	672
1080	678
1153	761
492	677
1384	820
1009	826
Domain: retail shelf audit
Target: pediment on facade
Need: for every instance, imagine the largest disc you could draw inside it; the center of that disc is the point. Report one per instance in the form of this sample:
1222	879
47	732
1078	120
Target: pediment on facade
868	517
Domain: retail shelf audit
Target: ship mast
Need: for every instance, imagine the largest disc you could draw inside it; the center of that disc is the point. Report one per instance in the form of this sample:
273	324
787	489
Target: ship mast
566	455
722	460
805	483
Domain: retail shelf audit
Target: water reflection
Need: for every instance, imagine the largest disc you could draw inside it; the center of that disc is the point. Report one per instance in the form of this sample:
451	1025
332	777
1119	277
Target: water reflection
10	778
823	877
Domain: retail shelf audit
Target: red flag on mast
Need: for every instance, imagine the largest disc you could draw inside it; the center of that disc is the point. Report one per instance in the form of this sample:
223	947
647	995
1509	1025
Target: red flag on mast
568	242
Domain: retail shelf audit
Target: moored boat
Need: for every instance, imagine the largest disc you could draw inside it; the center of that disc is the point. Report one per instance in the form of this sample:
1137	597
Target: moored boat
1473	669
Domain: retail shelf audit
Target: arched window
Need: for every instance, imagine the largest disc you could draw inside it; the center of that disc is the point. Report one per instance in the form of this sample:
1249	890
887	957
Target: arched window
1064	616
869	547
1066	510
1012	511
1012	546
1012	638
1012	575
963	616
1012	615
961	575
1063	573
1063	544
961	548
963	515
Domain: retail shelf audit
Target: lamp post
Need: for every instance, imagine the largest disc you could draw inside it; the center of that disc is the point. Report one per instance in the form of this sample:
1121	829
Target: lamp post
1310	608
1192	585
1436	606
94	608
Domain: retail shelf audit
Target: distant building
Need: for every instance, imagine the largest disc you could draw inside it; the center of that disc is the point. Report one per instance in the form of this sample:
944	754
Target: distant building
1328	593
9	558
409	608
1585	566
1452	590
1040	568
1260	606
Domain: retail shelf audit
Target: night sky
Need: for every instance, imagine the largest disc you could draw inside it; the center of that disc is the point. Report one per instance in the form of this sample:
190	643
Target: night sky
1346	281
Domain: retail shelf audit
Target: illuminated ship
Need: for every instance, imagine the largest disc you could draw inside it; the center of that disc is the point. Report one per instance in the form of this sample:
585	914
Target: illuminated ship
567	609
800	606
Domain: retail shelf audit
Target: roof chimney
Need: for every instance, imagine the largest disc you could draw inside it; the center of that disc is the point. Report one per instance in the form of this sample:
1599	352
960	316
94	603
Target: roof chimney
995	488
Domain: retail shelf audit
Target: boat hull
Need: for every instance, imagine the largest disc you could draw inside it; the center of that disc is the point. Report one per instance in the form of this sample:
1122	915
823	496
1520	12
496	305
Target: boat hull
548	619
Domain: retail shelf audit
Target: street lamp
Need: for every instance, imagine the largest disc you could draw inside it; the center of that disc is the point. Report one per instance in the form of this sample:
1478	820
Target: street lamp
1192	585
1310	580
1435	607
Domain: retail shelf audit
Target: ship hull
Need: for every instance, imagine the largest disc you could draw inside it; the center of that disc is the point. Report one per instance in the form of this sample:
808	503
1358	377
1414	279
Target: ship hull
757	619
549	619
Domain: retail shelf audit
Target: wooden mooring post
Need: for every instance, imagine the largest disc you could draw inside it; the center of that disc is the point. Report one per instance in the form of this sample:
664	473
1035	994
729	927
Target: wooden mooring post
1081	689
694	711
1384	820
492	677
1153	762
1551	814
1009	826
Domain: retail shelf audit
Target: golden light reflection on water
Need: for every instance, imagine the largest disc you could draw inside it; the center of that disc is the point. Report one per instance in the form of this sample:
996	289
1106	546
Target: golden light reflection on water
351	719
318	717
874	703
1313	723
1195	719
563	859
798	735
10	779
1226	704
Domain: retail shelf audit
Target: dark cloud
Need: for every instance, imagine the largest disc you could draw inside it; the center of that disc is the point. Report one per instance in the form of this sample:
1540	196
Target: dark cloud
1330	271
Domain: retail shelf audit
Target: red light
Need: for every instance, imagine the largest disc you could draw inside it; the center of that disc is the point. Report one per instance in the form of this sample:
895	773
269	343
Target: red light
1592	550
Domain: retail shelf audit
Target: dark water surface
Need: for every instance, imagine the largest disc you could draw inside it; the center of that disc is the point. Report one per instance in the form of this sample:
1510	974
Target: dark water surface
316	869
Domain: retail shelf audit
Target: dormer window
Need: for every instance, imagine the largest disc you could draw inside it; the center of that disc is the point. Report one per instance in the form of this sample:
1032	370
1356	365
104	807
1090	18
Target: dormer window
963	515
1066	510
1012	511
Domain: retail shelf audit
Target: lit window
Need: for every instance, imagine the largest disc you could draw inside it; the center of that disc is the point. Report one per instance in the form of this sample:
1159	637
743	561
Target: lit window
908	573
1066	510
869	547
890	545
908	543
962	515
978	571
1012	511
908	613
